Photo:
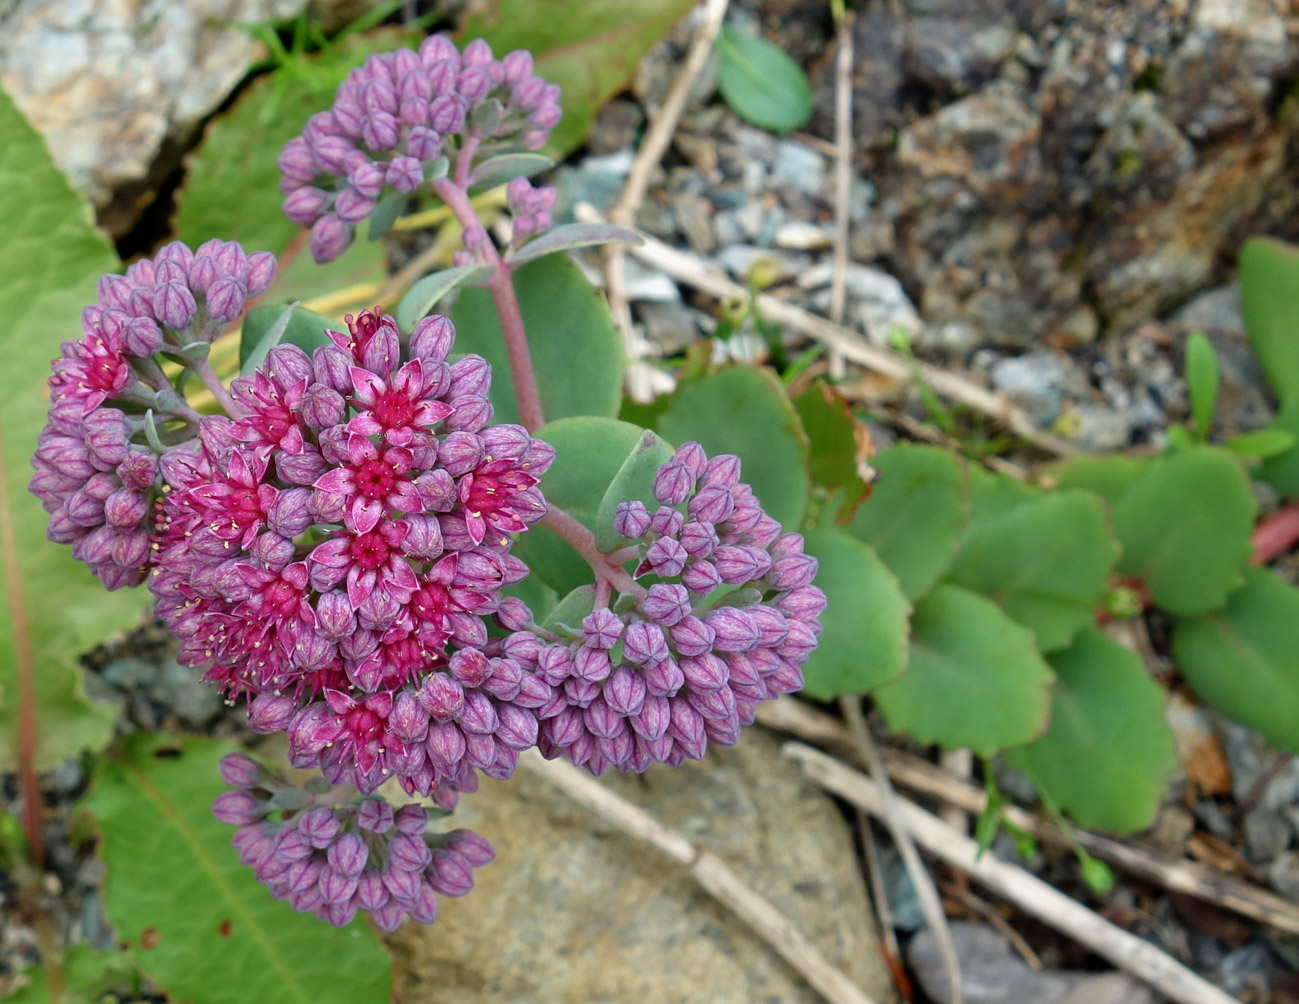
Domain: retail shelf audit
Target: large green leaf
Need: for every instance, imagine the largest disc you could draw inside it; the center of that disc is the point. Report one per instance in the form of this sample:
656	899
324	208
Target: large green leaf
275	324
839	444
915	513
975	679
1244	659
633	482
761	83
1109	476
1108	753
576	350
51	257
864	641
1046	562
745	411
231	187
1184	527
1282	471
1269	300
589	452
202	927
590	49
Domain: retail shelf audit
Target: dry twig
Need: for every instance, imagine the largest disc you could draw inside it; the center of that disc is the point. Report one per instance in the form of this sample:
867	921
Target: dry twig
1176	874
842	170
703	275
963	898
926	893
1027	892
717	877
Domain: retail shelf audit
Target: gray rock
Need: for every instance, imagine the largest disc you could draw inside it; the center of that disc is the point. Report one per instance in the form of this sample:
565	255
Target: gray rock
876	301
1251	968
801	235
739	260
670	326
1267	833
571	911
129	672
901	891
1038	382
799	167
108	84
1283	873
1249	756
183	691
1214	309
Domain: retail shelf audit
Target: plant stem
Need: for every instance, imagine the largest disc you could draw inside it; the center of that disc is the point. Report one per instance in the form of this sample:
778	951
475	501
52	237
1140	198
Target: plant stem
1275	535
582	540
501	286
213	383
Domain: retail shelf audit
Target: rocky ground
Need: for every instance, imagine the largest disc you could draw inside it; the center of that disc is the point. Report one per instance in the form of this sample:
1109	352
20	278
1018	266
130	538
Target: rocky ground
1048	197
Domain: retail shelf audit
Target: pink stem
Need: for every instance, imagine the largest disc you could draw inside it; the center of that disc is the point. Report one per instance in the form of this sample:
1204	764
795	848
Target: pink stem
464	160
1275	535
582	540
212	382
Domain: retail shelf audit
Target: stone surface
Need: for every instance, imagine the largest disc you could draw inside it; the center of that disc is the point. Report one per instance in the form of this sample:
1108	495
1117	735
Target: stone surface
573	912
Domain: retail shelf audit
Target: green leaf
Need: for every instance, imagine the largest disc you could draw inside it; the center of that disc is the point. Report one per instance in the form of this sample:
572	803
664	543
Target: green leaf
572	609
266	327
761	83
745	411
1262	444
573	236
420	299
1201	382
52	258
506	167
1269	281
915	514
1282	470
975	679
1046	562
591	49
589	453
1109	476
576	350
1108	753
386	212
1243	660
839	444
231	188
633	482
88	975
992	496
864	638
1184	526
176	892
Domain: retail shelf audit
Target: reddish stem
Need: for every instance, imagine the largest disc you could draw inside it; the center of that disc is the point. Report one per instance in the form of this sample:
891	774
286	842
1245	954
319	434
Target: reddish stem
582	540
1275	535
28	735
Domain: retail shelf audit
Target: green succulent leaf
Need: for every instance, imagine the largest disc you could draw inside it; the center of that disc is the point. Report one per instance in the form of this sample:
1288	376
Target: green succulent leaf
266	327
589	453
1046	561
386	212
1201	382
506	167
1243	660
915	514
864	638
761	83
974	679
745	411
1281	470
1262	444
53	257
838	445
572	609
633	482
576	350
1269	278
573	236
1108	476
591	50
152	800
1108	753
419	301
1185	526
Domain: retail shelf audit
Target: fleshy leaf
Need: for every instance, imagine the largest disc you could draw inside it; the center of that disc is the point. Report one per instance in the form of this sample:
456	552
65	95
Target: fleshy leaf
572	609
745	411
87	976
1269	278
573	236
388	210
591	49
1243	660
266	327
914	516
974	680
1262	444
175	890
423	296
839	445
633	482
506	167
864	638
1108	753
576	350
53	257
1185	526
589	454
1201	382
1282	470
761	83
1109	476
1047	562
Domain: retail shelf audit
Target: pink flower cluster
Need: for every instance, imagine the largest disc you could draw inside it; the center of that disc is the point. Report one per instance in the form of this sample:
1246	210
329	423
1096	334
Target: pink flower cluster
343	536
96	472
337	860
395	117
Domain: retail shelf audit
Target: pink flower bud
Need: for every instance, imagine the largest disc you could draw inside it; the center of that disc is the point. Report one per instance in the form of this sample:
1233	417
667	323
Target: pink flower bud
673	483
631	519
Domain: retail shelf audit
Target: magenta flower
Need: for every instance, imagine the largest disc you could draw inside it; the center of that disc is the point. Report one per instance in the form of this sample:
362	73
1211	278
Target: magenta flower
374	481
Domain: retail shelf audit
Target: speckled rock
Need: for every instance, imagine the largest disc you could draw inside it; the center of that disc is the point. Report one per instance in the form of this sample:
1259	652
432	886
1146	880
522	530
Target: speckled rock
572	912
114	84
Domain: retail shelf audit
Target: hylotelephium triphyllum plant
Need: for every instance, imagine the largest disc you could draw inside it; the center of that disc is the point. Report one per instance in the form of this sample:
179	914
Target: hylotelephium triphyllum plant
332	547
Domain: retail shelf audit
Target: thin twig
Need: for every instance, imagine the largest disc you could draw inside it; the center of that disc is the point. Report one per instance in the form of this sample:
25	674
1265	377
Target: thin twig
709	871
1026	892
653	146
961	764
706	277
879	891
926	893
1194	878
842	172
962	896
